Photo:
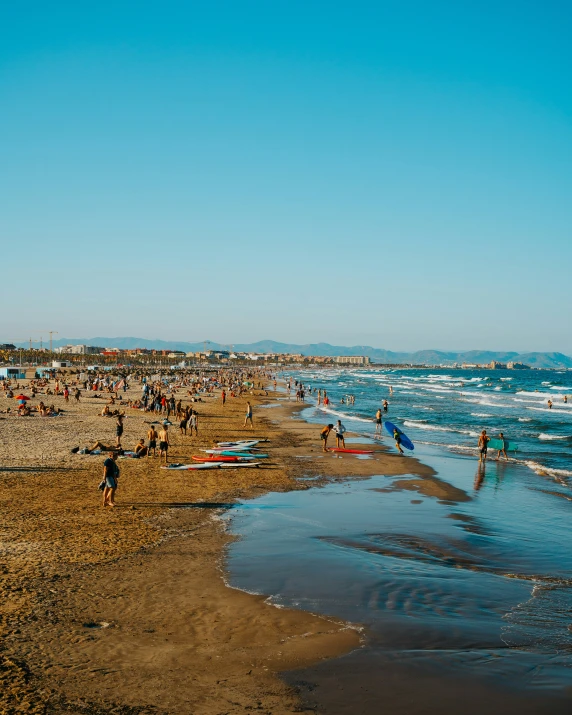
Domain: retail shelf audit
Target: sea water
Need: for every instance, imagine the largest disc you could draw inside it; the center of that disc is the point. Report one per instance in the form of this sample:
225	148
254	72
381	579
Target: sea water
449	408
473	584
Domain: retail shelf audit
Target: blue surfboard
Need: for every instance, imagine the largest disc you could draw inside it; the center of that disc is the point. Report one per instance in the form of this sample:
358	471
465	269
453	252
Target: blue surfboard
405	441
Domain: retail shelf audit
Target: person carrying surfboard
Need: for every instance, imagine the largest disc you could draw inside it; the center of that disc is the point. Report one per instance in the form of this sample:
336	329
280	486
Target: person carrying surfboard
397	438
339	430
503	450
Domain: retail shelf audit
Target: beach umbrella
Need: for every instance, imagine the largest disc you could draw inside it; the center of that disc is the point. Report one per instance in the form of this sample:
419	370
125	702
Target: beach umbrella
22	397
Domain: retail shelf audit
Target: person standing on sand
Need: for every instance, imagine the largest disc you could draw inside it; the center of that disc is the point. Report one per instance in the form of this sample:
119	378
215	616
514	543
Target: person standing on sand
397	438
193	422
152	444
110	477
324	434
223	397
119	430
483	446
378	429
164	442
339	429
248	416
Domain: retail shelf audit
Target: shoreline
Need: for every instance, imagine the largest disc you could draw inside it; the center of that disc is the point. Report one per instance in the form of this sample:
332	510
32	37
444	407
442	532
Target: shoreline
130	608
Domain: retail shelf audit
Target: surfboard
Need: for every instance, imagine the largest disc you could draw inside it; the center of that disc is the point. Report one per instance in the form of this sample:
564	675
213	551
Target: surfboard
241	454
495	443
405	441
234	465
186	467
220	459
351	451
241	444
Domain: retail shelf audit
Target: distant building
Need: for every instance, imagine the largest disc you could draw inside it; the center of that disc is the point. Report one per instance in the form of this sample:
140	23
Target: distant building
352	360
494	365
12	373
61	363
78	350
517	366
7	346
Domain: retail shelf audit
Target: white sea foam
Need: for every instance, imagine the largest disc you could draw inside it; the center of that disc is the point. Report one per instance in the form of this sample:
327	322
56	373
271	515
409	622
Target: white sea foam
343	415
438	428
480	414
542	435
525	419
541	469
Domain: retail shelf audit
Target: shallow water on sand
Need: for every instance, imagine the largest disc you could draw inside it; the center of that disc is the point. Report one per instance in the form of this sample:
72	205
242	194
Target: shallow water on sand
463	578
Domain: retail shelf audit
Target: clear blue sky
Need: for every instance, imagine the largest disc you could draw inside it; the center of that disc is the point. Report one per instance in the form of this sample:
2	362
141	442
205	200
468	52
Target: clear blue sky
392	173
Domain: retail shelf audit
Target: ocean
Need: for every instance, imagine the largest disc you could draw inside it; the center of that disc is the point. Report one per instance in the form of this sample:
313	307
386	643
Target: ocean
468	592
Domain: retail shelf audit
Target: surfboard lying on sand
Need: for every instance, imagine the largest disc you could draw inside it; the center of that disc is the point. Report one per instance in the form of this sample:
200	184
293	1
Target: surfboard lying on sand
186	467
211	458
405	441
241	444
501	444
350	451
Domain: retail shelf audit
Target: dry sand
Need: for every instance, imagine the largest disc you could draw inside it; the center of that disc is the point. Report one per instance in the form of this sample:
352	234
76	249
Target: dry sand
126	610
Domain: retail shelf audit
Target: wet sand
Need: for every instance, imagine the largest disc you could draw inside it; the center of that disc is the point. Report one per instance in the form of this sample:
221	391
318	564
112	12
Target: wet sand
126	609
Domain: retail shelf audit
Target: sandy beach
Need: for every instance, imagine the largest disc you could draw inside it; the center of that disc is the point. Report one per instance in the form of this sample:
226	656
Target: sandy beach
127	609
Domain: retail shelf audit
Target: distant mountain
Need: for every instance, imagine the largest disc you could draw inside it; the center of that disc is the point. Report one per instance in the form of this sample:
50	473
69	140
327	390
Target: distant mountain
377	355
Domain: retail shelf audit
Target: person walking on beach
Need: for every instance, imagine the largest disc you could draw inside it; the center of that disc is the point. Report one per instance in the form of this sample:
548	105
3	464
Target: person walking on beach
324	434
193	423
378	429
483	446
503	449
164	442
110	477
248	416
223	397
339	429
152	444
119	430
397	438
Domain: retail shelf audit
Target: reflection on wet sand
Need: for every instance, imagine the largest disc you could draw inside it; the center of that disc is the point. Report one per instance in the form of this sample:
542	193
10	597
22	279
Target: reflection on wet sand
429	487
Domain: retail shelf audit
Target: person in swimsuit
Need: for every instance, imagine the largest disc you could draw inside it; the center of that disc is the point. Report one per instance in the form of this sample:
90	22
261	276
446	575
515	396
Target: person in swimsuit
248	416
385	405
194	423
183	425
119	430
152	444
483	446
164	442
397	438
378	422
140	449
324	434
503	450
110	476
223	397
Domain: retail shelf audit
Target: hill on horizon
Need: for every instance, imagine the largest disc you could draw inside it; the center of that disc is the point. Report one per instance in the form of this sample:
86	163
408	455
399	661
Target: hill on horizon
377	355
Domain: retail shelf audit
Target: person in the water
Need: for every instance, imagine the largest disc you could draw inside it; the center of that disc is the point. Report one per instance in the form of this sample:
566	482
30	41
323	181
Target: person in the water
503	450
